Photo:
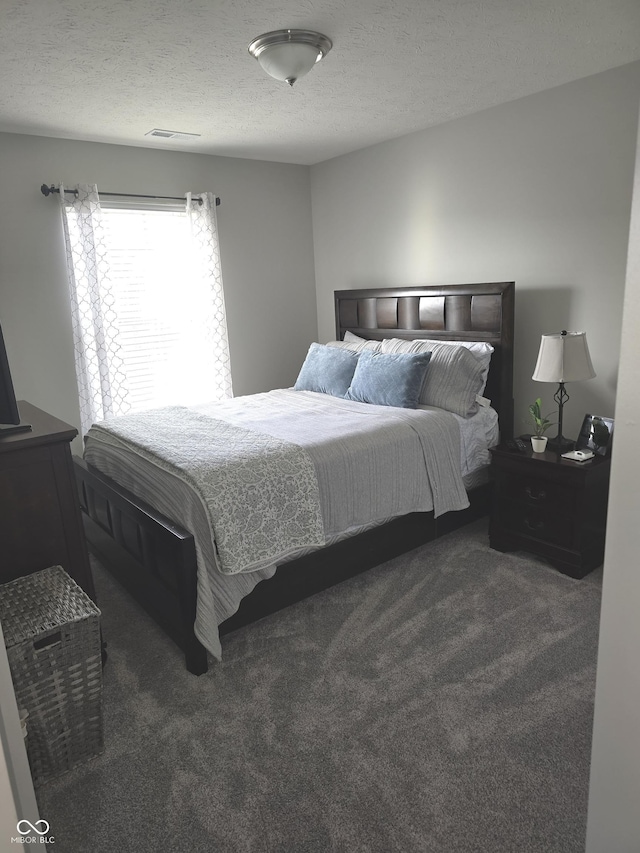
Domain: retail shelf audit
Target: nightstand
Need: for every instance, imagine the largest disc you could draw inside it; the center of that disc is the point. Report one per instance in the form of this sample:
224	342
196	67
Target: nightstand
551	507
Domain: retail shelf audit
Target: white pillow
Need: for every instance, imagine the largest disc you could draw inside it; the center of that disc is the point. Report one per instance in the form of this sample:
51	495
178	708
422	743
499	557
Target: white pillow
349	336
355	344
454	377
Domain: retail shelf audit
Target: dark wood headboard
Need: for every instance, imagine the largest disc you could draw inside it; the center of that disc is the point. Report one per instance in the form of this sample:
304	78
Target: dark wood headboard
451	312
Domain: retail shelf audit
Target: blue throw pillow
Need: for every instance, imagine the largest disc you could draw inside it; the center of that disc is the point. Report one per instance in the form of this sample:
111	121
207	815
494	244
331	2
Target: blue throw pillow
327	370
386	379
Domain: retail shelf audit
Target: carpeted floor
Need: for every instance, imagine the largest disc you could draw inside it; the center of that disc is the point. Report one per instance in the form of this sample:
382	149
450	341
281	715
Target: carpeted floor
441	702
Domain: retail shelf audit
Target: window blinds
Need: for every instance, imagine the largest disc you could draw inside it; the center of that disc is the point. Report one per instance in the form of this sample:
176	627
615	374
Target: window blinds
159	305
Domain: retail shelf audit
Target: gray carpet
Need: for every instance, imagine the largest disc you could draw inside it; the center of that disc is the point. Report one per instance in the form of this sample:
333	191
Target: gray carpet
441	702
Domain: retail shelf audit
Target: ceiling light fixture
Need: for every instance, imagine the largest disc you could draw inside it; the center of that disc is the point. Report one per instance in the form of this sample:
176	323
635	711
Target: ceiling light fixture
289	54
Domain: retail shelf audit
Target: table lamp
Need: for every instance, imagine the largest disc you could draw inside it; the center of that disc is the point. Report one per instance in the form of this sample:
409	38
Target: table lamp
563	357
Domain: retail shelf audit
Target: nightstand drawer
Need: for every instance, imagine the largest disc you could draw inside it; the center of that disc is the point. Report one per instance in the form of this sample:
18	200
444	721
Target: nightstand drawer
549	527
537	492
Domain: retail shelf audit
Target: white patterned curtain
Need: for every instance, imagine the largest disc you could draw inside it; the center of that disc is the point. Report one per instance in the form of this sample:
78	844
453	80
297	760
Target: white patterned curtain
206	265
99	368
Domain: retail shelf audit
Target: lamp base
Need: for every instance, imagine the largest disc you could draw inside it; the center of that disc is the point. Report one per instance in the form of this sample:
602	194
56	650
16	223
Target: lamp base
560	444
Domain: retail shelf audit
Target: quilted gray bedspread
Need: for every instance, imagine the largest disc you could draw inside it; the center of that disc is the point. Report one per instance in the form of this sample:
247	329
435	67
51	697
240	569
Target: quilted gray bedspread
368	463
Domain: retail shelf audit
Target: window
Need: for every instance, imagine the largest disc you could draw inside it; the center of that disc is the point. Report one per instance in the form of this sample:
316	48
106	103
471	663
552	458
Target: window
163	307
150	275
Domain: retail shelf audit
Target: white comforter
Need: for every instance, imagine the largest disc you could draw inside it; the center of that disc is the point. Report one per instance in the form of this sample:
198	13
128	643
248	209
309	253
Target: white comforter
372	463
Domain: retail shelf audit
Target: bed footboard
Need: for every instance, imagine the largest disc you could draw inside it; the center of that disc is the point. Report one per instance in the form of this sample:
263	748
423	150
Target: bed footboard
153	558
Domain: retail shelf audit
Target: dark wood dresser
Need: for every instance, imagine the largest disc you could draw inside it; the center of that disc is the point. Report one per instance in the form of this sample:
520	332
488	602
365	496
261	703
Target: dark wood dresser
40	523
551	507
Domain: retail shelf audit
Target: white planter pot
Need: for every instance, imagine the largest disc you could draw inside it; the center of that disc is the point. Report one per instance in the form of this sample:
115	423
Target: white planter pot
539	443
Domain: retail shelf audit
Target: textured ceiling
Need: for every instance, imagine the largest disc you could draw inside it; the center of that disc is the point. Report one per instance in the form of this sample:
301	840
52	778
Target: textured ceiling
111	71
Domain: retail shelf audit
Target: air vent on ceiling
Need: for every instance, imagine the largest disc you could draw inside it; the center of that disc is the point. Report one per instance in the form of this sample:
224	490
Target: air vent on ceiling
171	134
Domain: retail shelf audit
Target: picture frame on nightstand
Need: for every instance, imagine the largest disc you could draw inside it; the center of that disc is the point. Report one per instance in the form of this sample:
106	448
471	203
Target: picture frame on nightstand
596	434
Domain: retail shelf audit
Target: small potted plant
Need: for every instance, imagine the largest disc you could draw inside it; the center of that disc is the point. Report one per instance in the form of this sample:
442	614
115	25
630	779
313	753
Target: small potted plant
541	424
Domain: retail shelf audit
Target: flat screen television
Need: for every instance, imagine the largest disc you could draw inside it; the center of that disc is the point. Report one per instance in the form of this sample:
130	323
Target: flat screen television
9	414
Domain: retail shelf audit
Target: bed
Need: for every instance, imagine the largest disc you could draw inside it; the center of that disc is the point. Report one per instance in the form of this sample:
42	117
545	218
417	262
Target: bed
156	558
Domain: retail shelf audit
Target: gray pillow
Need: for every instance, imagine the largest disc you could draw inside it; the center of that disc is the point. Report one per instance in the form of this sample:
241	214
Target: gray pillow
389	379
454	377
480	349
327	370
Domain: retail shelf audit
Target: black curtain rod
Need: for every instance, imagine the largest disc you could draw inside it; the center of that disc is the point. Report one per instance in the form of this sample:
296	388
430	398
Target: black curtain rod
47	190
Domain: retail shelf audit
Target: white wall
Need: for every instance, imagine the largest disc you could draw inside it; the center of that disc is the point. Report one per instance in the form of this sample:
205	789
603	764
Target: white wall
266	251
537	191
614	796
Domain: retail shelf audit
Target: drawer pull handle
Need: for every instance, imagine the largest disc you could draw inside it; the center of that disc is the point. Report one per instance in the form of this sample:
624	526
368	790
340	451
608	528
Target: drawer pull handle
536	526
540	495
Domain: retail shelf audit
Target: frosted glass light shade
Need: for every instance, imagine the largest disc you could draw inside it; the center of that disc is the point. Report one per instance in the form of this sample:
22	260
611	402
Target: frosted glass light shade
289	61
287	55
564	358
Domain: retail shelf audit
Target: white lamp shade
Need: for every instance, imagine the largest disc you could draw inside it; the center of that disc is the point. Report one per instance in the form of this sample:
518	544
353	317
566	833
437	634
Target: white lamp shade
289	61
564	358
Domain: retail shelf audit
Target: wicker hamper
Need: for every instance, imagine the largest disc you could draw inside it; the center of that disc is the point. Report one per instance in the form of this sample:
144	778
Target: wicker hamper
52	633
